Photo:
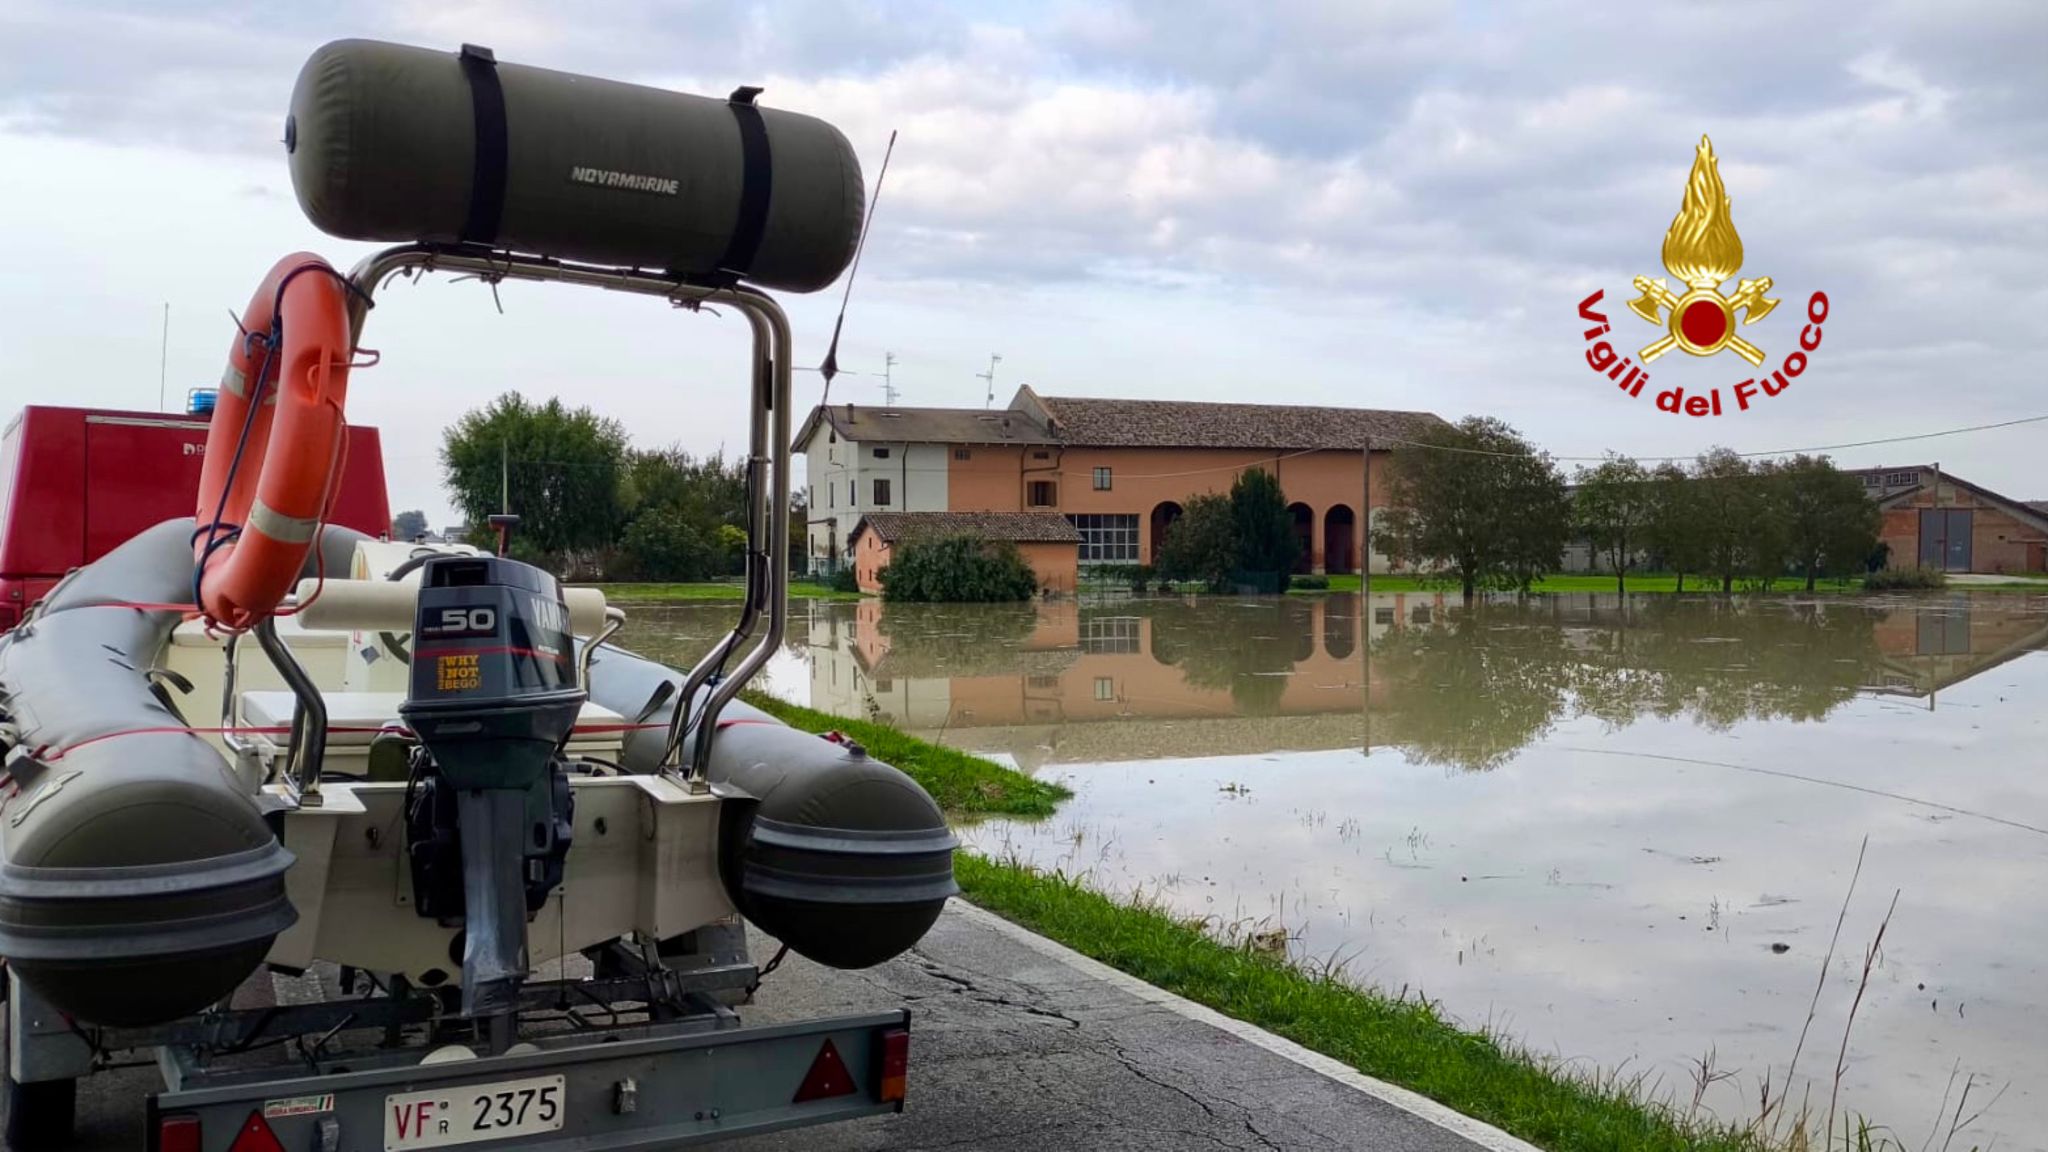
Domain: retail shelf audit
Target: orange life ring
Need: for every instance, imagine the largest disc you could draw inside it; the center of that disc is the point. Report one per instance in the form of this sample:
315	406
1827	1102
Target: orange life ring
259	514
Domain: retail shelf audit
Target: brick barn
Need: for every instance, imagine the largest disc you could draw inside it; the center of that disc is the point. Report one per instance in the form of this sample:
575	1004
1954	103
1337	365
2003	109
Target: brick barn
1934	519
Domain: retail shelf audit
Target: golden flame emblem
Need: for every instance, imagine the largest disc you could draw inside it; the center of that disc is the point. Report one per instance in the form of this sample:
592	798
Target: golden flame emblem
1702	250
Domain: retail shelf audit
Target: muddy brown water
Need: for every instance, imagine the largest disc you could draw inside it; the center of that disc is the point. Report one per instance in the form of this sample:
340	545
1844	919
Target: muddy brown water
1619	831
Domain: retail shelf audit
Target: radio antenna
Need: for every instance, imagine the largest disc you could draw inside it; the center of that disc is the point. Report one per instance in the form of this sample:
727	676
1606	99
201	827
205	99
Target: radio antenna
830	367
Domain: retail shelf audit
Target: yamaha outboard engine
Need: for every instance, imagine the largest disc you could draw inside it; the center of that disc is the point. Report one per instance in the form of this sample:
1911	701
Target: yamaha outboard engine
493	698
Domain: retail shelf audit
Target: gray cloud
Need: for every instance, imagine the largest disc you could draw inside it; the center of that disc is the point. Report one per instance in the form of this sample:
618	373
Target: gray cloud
1470	169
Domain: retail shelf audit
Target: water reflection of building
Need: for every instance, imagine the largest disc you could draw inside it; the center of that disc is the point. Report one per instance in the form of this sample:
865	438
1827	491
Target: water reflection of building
1215	676
1943	643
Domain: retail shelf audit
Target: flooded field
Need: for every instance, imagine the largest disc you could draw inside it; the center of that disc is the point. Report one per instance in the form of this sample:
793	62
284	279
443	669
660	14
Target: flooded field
1621	831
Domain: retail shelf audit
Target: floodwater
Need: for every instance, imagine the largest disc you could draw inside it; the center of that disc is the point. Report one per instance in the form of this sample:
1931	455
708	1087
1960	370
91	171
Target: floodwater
1619	831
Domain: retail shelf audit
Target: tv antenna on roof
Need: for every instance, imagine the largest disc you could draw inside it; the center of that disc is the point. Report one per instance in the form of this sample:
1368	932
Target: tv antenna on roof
990	376
888	384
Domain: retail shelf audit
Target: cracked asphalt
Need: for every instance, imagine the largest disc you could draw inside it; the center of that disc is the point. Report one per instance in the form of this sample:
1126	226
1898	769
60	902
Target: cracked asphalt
1012	1047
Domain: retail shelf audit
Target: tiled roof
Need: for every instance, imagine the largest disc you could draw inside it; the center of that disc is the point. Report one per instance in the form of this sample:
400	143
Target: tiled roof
925	425
1193	424
1021	527
2040	506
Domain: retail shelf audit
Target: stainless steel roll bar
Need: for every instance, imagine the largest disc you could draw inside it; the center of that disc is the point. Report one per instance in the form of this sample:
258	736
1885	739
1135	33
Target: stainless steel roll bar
768	458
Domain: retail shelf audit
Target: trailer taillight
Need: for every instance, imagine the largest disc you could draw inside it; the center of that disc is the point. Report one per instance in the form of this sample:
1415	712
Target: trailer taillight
177	1133
894	1061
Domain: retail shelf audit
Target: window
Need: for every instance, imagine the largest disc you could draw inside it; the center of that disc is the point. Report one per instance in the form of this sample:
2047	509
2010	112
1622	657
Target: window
1041	455
1107	538
881	493
962	454
881	453
1042	683
885	684
1102	479
1042	494
1105	688
1111	634
1383	615
1899	479
1873	480
1420	615
831	437
832	495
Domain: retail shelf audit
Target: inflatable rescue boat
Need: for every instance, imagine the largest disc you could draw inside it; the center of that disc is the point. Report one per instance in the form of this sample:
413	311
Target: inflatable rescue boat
250	736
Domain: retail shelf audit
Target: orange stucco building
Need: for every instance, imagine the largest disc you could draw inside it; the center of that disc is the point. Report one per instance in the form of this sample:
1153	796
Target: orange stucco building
1045	541
1120	471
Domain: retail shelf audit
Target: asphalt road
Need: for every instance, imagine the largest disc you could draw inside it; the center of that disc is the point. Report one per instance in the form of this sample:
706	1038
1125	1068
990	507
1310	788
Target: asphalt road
1020	1044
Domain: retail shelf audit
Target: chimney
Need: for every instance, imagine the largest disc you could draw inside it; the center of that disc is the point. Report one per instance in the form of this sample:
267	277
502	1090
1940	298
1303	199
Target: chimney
849	411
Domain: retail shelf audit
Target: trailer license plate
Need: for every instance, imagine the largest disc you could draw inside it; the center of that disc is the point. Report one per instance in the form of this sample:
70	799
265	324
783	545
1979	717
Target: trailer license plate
467	1114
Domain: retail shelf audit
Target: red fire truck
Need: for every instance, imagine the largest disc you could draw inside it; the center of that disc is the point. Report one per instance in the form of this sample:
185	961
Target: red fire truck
75	482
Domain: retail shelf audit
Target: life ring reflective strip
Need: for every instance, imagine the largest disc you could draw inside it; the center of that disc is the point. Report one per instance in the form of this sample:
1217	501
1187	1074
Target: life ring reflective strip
269	475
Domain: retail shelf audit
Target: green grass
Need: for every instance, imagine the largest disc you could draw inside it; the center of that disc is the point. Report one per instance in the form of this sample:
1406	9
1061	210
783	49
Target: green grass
626	593
1406	1042
965	786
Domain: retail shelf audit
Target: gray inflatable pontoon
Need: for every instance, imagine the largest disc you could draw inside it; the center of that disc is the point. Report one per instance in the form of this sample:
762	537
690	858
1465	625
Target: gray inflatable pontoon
142	877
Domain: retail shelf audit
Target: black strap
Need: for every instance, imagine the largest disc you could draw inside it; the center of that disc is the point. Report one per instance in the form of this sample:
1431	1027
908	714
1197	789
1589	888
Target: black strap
757	179
487	178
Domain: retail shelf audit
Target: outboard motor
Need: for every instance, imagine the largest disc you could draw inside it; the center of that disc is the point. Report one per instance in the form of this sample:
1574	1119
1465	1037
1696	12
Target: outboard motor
493	698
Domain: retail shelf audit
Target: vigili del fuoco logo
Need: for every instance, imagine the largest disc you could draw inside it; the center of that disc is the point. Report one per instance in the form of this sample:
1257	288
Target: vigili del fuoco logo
1702	250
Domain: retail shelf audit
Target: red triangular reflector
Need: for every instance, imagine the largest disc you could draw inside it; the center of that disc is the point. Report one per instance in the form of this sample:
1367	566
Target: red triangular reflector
256	1136
827	1077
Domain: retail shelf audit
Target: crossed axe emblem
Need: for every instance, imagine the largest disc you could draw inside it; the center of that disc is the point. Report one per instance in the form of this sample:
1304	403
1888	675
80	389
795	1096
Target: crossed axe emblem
1702	321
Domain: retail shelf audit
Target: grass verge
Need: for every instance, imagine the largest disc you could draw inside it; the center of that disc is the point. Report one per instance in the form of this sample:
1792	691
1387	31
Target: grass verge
626	593
965	786
1405	1042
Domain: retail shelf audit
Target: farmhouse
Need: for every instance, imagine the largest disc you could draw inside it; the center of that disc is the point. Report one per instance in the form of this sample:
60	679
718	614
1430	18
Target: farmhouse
1118	471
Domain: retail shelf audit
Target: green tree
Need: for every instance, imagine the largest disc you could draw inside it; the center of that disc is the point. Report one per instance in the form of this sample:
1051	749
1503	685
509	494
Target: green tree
1474	500
559	470
1830	526
1673	529
959	568
1263	530
671	489
662	544
1202	544
1615	505
408	525
1729	505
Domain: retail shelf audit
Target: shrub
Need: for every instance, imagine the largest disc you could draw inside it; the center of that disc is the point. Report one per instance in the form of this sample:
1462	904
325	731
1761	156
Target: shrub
958	568
1202	544
845	579
1312	583
1904	579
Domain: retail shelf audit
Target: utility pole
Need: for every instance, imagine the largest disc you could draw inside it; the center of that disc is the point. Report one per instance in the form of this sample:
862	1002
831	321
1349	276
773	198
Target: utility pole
1365	536
1365	588
504	476
990	376
888	383
163	358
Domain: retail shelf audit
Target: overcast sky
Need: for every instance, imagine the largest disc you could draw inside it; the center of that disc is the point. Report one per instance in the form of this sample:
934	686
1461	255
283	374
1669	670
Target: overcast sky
1379	204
